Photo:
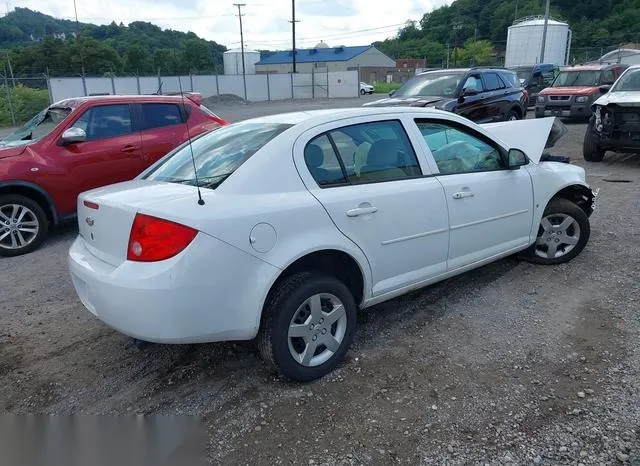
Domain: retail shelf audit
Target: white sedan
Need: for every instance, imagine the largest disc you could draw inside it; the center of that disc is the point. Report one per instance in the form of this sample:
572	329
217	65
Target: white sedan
306	217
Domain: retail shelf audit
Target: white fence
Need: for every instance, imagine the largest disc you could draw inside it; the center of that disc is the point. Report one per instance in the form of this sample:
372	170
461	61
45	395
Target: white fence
255	87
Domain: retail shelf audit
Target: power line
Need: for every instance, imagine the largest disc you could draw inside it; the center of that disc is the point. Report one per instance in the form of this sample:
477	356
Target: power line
342	35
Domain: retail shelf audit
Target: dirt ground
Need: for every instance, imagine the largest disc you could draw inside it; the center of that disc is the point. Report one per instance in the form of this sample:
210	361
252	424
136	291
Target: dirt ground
511	363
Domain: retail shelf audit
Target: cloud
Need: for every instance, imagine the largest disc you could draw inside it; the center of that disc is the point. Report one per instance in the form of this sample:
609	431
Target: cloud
265	22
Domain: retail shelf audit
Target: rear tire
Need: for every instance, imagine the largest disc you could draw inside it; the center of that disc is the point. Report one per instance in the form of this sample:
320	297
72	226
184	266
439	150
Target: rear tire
303	313
591	150
563	233
23	225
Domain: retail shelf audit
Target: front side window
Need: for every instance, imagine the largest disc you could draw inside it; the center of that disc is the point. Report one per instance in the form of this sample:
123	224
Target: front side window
608	77
458	151
105	121
160	115
216	155
473	83
366	153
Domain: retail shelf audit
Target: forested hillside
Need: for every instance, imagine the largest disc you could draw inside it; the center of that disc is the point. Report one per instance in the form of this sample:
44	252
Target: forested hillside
596	25
39	43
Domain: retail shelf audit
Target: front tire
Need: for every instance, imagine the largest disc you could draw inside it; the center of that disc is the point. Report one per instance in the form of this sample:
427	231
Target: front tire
362	92
591	150
23	225
563	233
307	326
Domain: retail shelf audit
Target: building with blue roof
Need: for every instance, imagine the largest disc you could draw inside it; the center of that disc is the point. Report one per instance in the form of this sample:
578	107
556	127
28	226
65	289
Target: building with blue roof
372	63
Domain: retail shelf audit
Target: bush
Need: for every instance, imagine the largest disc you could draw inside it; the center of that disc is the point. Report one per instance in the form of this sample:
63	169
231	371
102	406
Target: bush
385	88
26	102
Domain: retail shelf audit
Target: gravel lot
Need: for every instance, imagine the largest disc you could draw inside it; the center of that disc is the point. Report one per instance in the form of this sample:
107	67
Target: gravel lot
510	363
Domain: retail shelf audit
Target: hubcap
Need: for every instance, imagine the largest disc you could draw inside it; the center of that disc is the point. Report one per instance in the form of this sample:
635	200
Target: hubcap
558	235
317	329
18	226
513	118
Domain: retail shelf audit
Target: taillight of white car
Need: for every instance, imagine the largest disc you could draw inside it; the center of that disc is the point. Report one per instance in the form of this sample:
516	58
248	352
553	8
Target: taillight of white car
154	239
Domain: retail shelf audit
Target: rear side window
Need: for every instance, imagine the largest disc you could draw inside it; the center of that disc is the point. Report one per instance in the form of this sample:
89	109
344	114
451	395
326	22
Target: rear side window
105	121
492	82
160	115
323	163
366	153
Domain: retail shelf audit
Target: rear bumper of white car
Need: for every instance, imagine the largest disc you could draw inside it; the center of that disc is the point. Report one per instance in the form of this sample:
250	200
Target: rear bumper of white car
206	293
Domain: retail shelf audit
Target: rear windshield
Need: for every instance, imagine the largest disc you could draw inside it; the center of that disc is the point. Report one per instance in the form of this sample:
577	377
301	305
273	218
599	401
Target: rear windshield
216	155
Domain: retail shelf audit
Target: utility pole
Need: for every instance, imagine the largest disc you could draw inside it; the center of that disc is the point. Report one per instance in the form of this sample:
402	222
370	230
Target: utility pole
515	16
544	31
84	83
293	32
244	76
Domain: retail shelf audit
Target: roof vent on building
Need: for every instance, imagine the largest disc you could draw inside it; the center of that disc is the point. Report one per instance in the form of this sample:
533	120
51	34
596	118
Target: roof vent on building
313	51
339	49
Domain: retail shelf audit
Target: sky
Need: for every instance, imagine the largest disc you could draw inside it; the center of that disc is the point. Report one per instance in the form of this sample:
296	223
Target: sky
265	22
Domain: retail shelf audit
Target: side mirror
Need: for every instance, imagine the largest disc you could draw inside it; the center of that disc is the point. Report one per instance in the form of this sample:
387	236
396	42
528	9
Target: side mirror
517	158
73	136
605	88
391	93
469	92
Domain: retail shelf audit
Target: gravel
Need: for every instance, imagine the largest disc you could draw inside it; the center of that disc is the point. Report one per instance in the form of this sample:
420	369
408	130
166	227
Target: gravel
511	363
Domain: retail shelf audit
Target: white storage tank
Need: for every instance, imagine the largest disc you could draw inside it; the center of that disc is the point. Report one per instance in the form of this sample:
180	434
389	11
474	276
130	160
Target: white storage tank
232	60
524	42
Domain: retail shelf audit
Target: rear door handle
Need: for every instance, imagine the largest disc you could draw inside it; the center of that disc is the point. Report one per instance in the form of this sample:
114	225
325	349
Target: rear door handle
463	194
361	211
129	148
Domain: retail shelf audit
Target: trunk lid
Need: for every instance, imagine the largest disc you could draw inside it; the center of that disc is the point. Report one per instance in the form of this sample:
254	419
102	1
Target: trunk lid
106	229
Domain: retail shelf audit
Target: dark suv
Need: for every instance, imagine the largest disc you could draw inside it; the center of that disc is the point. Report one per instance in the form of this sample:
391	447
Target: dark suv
479	94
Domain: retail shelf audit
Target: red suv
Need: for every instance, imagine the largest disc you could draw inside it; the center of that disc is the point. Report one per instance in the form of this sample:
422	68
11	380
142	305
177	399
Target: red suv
575	89
83	143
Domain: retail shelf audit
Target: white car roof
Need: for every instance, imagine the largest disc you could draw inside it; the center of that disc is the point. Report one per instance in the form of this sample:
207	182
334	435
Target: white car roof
328	115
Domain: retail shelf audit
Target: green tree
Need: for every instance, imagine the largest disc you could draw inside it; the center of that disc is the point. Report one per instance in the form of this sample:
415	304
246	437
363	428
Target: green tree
197	56
479	52
137	60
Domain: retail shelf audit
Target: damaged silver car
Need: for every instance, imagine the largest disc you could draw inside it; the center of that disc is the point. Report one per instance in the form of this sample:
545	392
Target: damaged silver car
615	120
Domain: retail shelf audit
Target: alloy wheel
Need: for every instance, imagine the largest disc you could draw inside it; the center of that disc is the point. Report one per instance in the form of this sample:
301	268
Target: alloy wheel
558	235
19	226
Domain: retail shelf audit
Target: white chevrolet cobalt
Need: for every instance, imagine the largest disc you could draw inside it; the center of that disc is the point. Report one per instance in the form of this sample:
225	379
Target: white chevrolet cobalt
297	220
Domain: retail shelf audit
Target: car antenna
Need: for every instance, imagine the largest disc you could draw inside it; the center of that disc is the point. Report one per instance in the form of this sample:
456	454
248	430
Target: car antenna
193	159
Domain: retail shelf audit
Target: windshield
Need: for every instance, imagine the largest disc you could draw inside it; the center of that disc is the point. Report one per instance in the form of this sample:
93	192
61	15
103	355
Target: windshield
216	155
577	78
439	84
629	81
38	127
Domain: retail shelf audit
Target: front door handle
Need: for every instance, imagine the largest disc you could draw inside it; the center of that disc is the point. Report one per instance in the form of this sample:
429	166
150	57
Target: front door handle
463	194
129	148
362	210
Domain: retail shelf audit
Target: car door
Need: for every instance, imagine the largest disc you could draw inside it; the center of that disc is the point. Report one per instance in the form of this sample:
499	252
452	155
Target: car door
497	97
473	107
162	128
368	178
111	152
490	207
